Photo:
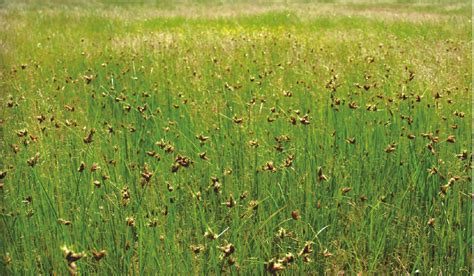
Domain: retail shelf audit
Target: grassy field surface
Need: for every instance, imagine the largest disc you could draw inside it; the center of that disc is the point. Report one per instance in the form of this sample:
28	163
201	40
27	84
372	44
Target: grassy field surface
235	137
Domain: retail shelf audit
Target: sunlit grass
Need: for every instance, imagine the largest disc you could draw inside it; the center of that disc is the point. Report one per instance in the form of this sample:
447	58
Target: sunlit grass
246	143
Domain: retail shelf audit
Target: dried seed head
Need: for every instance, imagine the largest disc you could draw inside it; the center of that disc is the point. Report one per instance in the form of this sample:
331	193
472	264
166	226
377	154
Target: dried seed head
97	183
202	139
98	255
88	78
327	254
196	248
282	233
431	148
7	259
463	155
253	204
244	195
33	138
90	137
451	139
183	161
293	120
269	166
32	161
153	153
197	196
231	202
228	171
125	196
71	256
434	139
210	234
22	133
238	120
69	108
28	200
215	184
169	186
295	215
351	140
130	221
307	249
353	105
203	156
288	259
321	176
227	249
288	161
391	148
95	167
15	148
433	170
444	190
231	261
175	167
345	190
254	143
152	222
64	222
81	167
305	120
273	266
145	174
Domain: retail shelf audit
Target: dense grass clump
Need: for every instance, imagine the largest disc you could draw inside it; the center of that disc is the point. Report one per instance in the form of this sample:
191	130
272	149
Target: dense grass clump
302	138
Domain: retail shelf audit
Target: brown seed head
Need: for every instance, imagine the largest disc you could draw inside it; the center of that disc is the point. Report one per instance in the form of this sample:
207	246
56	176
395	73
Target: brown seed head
98	255
295	215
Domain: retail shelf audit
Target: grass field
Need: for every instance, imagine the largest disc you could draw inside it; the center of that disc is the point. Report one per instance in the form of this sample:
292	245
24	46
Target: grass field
235	138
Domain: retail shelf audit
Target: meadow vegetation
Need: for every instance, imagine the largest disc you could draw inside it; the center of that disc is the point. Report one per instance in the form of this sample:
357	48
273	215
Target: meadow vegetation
231	137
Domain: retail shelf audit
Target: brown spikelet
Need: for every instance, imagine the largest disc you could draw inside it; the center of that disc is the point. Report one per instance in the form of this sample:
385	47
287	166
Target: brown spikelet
89	137
196	248
391	148
238	120
95	167
64	222
82	167
98	255
269	166
274	266
227	249
203	156
321	176
351	140
307	249
345	190
305	120
230	202
295	215
71	258
32	161
451	139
